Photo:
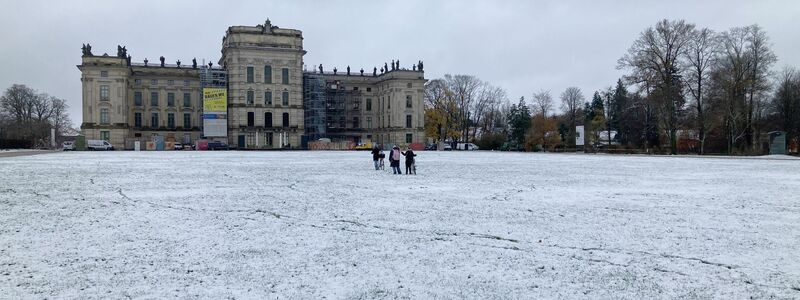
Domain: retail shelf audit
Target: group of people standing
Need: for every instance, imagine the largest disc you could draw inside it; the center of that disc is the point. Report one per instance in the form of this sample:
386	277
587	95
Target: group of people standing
394	159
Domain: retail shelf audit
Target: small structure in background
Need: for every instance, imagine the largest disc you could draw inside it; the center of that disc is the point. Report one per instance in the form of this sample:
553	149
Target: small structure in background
777	142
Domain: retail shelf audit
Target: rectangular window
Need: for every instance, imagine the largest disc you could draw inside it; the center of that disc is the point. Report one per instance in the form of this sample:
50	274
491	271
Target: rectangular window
137	120
103	73
285	75
409	138
137	98
267	74
185	83
137	82
268	119
408	101
369	104
408	121
357	104
154	82
251	97
268	98
154	120
154	99
251	119
104	116
171	120
187	121
369	122
105	135
369	89
170	99
104	92
250	75
285	119
187	100
285	98
355	122
170	82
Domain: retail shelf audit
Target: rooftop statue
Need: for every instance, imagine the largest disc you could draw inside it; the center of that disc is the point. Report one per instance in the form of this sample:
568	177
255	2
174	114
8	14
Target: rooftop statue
162	61
374	71
194	63
145	62
86	50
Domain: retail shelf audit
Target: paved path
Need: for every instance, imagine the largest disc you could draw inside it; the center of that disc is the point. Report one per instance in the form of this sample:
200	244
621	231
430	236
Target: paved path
25	153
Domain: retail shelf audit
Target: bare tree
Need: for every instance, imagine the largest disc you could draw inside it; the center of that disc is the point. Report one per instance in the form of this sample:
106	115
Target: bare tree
29	115
542	102
440	109
59	118
654	57
730	77
762	58
571	102
702	52
465	90
786	102
484	106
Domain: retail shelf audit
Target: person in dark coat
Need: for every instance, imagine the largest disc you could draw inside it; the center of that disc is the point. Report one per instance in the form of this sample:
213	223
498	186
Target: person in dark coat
376	157
409	154
394	160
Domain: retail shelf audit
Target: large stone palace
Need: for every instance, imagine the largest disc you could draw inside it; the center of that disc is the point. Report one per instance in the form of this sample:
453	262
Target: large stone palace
259	96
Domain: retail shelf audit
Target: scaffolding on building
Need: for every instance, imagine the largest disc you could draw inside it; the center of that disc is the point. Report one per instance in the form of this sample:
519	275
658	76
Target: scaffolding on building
314	106
332	109
213	77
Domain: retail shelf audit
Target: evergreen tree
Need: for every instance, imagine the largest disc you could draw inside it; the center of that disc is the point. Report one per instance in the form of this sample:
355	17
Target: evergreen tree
617	113
519	120
595	118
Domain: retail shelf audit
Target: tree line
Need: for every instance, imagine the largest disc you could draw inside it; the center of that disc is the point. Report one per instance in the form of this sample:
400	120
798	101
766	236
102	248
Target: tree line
27	117
686	89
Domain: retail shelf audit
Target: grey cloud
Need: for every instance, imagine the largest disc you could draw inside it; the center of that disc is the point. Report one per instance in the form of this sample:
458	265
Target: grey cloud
522	46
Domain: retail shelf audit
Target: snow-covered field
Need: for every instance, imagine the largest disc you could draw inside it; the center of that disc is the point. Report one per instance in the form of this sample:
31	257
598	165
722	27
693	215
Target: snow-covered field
325	225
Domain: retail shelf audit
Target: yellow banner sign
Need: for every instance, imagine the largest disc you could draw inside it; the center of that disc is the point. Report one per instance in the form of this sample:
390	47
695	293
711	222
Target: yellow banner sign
215	100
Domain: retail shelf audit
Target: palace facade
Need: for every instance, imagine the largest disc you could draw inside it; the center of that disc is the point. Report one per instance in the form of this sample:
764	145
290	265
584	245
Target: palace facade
272	101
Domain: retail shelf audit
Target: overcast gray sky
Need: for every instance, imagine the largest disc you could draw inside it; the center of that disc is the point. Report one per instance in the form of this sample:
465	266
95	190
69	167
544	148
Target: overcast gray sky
522	46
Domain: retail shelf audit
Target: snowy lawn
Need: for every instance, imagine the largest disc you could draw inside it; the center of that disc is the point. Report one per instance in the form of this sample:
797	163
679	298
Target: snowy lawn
478	225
